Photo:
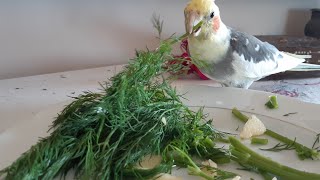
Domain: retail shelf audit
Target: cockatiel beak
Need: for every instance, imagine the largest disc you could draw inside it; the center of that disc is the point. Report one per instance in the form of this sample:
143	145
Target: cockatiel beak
192	18
205	11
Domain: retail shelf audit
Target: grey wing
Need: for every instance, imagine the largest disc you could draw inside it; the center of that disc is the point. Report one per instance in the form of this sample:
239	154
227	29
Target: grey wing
252	48
253	58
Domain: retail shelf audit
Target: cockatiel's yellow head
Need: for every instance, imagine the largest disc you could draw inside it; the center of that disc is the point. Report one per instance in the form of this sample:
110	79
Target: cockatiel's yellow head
202	10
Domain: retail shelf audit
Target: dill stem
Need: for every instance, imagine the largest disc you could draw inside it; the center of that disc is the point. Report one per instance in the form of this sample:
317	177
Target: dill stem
299	147
198	172
239	115
193	169
186	34
189	161
268	165
261	141
266	175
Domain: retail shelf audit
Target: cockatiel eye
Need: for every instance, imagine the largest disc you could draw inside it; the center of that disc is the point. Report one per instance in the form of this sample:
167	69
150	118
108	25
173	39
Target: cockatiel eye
212	15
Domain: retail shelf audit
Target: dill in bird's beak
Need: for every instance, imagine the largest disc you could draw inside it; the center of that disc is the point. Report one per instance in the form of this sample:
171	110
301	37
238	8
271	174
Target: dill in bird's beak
192	20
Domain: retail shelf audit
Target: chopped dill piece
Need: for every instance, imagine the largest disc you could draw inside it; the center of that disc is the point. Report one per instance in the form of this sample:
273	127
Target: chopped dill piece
261	141
272	103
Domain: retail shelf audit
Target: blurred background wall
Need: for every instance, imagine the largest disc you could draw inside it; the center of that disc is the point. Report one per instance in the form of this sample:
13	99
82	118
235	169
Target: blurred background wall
46	36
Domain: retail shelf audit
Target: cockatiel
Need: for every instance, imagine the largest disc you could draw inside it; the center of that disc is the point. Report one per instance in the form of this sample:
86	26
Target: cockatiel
231	57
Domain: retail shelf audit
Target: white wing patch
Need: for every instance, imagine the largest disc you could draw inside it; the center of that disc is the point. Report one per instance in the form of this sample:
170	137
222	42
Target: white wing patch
247	41
257	48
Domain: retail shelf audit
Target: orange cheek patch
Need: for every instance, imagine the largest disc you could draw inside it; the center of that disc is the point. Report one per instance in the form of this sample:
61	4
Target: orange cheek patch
216	23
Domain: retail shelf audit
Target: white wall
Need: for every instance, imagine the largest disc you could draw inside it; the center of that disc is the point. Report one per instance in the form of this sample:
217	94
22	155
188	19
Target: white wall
50	36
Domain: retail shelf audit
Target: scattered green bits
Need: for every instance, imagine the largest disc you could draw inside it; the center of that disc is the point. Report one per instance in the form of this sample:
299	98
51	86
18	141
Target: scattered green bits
272	103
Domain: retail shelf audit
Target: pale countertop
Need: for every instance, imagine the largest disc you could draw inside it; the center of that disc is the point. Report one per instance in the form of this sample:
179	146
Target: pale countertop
28	105
21	98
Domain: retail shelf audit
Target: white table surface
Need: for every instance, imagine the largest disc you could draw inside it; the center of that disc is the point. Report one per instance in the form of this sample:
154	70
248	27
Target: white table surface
21	98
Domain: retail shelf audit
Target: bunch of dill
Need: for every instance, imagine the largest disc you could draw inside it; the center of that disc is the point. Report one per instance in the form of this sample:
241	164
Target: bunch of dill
104	135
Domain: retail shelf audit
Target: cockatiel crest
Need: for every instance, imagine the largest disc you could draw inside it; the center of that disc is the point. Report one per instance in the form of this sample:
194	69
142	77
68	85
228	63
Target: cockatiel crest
233	58
200	5
205	10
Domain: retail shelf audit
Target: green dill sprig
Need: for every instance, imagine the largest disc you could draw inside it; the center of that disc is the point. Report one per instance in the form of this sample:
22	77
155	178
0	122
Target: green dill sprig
281	147
157	24
316	142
